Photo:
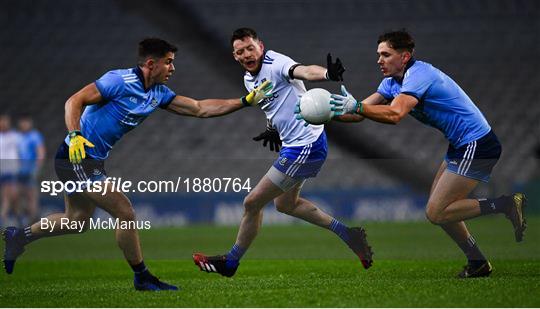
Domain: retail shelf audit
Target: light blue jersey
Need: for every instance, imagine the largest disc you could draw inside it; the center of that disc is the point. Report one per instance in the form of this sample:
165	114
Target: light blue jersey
29	142
125	105
442	103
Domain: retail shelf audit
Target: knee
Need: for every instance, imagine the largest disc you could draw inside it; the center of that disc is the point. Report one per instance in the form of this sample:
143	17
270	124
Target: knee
434	216
252	204
83	222
126	214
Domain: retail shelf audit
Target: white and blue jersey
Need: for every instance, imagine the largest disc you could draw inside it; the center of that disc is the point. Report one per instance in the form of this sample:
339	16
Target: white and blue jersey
279	108
125	105
474	149
441	102
9	155
304	147
29	143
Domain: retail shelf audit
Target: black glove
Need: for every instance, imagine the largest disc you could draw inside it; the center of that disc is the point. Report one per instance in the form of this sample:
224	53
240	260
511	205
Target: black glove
270	135
335	70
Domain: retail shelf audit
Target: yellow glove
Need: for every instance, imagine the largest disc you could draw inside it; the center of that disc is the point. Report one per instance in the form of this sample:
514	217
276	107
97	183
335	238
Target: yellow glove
258	94
76	147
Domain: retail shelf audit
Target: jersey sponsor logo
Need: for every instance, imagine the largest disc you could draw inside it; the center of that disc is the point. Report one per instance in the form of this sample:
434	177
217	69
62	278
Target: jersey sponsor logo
270	98
454	162
96	172
132	119
256	83
133	100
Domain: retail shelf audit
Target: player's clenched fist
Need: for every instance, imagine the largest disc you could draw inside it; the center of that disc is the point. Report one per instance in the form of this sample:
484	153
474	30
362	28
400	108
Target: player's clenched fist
258	94
76	147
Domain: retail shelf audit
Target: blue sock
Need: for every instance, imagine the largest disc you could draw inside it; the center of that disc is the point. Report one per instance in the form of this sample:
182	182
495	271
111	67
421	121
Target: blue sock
340	229
28	236
25	236
140	270
495	205
473	253
234	256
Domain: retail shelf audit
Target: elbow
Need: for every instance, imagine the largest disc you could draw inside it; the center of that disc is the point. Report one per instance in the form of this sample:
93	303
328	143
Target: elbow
201	110
71	103
203	115
68	104
395	119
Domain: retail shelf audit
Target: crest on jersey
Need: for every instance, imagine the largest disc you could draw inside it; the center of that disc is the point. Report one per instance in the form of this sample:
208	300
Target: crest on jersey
154	102
257	83
282	161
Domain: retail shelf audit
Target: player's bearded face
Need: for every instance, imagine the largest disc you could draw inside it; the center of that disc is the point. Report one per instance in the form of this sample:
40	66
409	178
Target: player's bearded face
248	52
391	62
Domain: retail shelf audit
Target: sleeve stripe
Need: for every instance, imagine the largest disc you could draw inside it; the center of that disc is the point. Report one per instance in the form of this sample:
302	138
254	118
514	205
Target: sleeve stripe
411	94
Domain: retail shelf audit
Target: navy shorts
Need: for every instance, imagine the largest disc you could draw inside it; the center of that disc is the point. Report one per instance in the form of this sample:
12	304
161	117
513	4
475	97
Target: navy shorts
476	159
89	169
28	180
303	161
8	178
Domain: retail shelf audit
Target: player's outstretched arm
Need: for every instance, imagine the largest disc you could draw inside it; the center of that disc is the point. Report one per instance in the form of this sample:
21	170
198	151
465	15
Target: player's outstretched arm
185	106
374	99
333	71
391	114
217	107
73	110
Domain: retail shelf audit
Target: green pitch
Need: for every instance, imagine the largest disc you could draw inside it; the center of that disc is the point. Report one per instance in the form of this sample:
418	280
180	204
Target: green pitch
288	266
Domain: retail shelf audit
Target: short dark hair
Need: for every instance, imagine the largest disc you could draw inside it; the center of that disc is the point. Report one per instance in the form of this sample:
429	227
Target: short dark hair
241	33
154	47
398	40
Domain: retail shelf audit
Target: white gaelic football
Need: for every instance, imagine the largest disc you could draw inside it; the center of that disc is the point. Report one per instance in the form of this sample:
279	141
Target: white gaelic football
315	106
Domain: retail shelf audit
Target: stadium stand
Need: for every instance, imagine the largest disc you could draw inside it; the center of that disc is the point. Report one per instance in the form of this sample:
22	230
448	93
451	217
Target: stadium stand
486	46
481	44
